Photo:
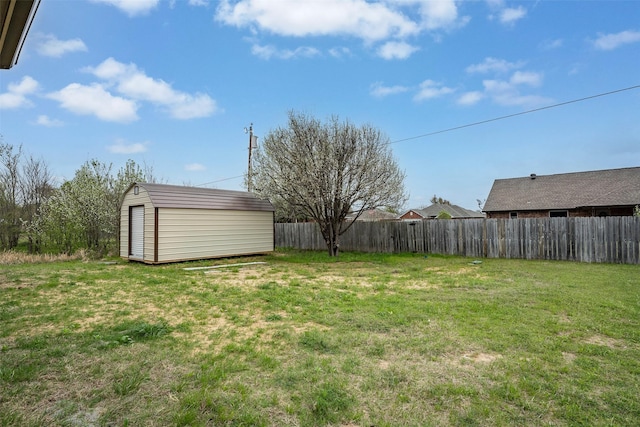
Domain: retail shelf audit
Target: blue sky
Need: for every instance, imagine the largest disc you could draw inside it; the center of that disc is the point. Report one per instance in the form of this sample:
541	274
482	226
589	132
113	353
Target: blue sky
173	84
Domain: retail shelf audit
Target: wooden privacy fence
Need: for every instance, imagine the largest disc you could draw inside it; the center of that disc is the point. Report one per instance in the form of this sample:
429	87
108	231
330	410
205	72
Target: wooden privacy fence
609	239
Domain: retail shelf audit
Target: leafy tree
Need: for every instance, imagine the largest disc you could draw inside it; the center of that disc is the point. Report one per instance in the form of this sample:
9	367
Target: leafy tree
59	221
82	207
443	215
85	211
636	210
324	171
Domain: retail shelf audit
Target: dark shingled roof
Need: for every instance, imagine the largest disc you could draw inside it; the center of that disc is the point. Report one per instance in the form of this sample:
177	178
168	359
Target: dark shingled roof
374	215
175	196
455	211
612	187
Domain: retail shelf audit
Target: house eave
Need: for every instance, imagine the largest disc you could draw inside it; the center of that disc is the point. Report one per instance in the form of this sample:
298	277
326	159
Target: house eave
17	16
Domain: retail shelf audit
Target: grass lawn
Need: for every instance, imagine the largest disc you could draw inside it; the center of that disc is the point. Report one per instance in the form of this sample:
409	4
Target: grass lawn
305	340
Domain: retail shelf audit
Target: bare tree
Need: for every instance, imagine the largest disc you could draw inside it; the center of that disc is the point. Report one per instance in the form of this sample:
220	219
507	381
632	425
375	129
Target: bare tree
325	171
439	200
10	195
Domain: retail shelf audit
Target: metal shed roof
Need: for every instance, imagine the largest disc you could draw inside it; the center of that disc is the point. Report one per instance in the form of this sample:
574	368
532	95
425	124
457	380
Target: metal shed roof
176	196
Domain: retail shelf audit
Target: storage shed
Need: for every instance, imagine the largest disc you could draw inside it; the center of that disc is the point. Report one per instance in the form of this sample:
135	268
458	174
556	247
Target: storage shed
169	223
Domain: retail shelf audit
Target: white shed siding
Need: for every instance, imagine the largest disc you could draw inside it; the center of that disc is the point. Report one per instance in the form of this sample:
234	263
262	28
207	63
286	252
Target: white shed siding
141	199
204	233
185	223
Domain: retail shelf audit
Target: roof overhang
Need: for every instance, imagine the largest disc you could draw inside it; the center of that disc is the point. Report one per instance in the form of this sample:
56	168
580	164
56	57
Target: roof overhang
16	17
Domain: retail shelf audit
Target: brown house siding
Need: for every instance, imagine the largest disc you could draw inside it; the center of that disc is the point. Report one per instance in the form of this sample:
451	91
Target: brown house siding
573	213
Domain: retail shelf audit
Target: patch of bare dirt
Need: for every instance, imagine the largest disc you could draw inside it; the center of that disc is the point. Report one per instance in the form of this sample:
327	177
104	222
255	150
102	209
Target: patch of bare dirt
605	341
479	357
422	286
564	318
384	364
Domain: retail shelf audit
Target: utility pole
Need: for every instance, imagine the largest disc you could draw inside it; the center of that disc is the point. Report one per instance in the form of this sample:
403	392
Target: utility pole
253	143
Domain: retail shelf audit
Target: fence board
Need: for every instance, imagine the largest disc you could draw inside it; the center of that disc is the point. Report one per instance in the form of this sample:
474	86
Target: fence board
610	239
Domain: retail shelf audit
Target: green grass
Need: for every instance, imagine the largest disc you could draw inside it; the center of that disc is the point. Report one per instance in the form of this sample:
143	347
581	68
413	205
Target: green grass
306	340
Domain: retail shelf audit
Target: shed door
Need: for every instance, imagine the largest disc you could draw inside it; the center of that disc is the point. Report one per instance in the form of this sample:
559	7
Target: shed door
136	219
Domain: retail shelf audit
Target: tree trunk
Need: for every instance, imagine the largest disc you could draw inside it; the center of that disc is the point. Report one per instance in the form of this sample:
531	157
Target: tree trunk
332	246
330	234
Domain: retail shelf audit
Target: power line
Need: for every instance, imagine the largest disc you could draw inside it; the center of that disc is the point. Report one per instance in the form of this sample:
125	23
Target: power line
495	119
515	114
220	180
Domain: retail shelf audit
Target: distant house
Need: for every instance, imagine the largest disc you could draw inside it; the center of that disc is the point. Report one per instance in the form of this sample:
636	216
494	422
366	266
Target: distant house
432	212
374	215
167	223
612	192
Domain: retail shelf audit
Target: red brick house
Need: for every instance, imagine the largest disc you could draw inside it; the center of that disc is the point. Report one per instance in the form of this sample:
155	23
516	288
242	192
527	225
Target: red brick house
612	192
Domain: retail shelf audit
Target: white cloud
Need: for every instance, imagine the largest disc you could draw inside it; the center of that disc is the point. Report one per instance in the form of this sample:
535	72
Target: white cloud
134	83
185	106
95	100
140	86
111	69
390	21
370	21
339	52
495	4
270	51
507	93
470	98
194	167
396	50
552	44
27	86
509	16
430	89
122	147
51	46
198	3
614	41
493	65
441	14
526	77
11	100
16	95
131	7
359	18
44	120
380	91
